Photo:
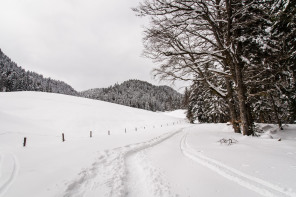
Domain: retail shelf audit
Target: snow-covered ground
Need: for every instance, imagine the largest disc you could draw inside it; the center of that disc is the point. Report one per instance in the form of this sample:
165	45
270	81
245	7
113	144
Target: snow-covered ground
146	154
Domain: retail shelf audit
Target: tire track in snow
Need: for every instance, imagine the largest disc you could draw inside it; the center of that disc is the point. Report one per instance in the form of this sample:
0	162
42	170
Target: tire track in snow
255	184
108	175
8	163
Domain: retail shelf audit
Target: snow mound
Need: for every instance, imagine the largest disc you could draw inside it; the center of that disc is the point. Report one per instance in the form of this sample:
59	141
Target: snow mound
272	131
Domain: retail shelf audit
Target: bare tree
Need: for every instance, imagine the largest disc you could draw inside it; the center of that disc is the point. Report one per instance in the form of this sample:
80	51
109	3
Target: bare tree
187	38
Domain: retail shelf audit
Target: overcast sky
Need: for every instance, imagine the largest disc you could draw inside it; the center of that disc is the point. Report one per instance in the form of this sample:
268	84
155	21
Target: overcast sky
86	43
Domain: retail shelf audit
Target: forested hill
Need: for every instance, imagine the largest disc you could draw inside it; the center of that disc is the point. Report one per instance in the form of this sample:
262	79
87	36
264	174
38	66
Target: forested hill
133	93
15	78
138	94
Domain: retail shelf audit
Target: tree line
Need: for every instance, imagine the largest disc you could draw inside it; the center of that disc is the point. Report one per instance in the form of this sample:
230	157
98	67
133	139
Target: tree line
138	94
239	56
15	78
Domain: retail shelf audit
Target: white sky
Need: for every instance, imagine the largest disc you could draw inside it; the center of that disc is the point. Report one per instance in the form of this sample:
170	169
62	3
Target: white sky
86	43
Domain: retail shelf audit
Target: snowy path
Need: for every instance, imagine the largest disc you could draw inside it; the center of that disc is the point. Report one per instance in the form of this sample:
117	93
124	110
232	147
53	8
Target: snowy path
163	167
143	179
108	175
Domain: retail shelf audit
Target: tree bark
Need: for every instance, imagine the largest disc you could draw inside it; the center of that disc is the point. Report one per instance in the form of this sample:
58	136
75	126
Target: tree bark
246	124
231	106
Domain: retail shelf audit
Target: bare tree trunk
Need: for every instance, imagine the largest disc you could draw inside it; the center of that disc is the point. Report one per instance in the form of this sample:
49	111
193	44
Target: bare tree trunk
246	124
231	106
245	118
230	100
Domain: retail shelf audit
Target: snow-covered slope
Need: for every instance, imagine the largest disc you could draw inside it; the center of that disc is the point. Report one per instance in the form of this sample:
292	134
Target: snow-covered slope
179	113
45	165
51	114
159	155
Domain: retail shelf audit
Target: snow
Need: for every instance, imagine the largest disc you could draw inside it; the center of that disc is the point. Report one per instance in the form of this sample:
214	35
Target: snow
165	156
176	113
217	89
219	71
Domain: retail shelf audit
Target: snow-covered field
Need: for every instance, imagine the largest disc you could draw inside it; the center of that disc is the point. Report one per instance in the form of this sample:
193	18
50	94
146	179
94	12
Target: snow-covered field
146	154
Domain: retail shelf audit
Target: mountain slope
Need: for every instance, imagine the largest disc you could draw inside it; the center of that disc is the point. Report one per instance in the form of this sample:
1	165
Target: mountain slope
138	94
15	78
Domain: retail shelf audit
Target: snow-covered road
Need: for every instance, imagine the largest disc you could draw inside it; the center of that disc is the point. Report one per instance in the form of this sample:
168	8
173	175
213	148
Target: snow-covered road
170	169
167	166
116	172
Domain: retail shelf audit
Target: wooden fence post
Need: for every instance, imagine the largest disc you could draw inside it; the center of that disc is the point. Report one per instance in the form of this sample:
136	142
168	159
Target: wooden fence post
63	137
90	134
25	141
108	132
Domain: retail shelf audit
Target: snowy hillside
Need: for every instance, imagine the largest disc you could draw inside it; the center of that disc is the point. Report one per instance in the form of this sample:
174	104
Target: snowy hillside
147	154
52	114
43	117
139	94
